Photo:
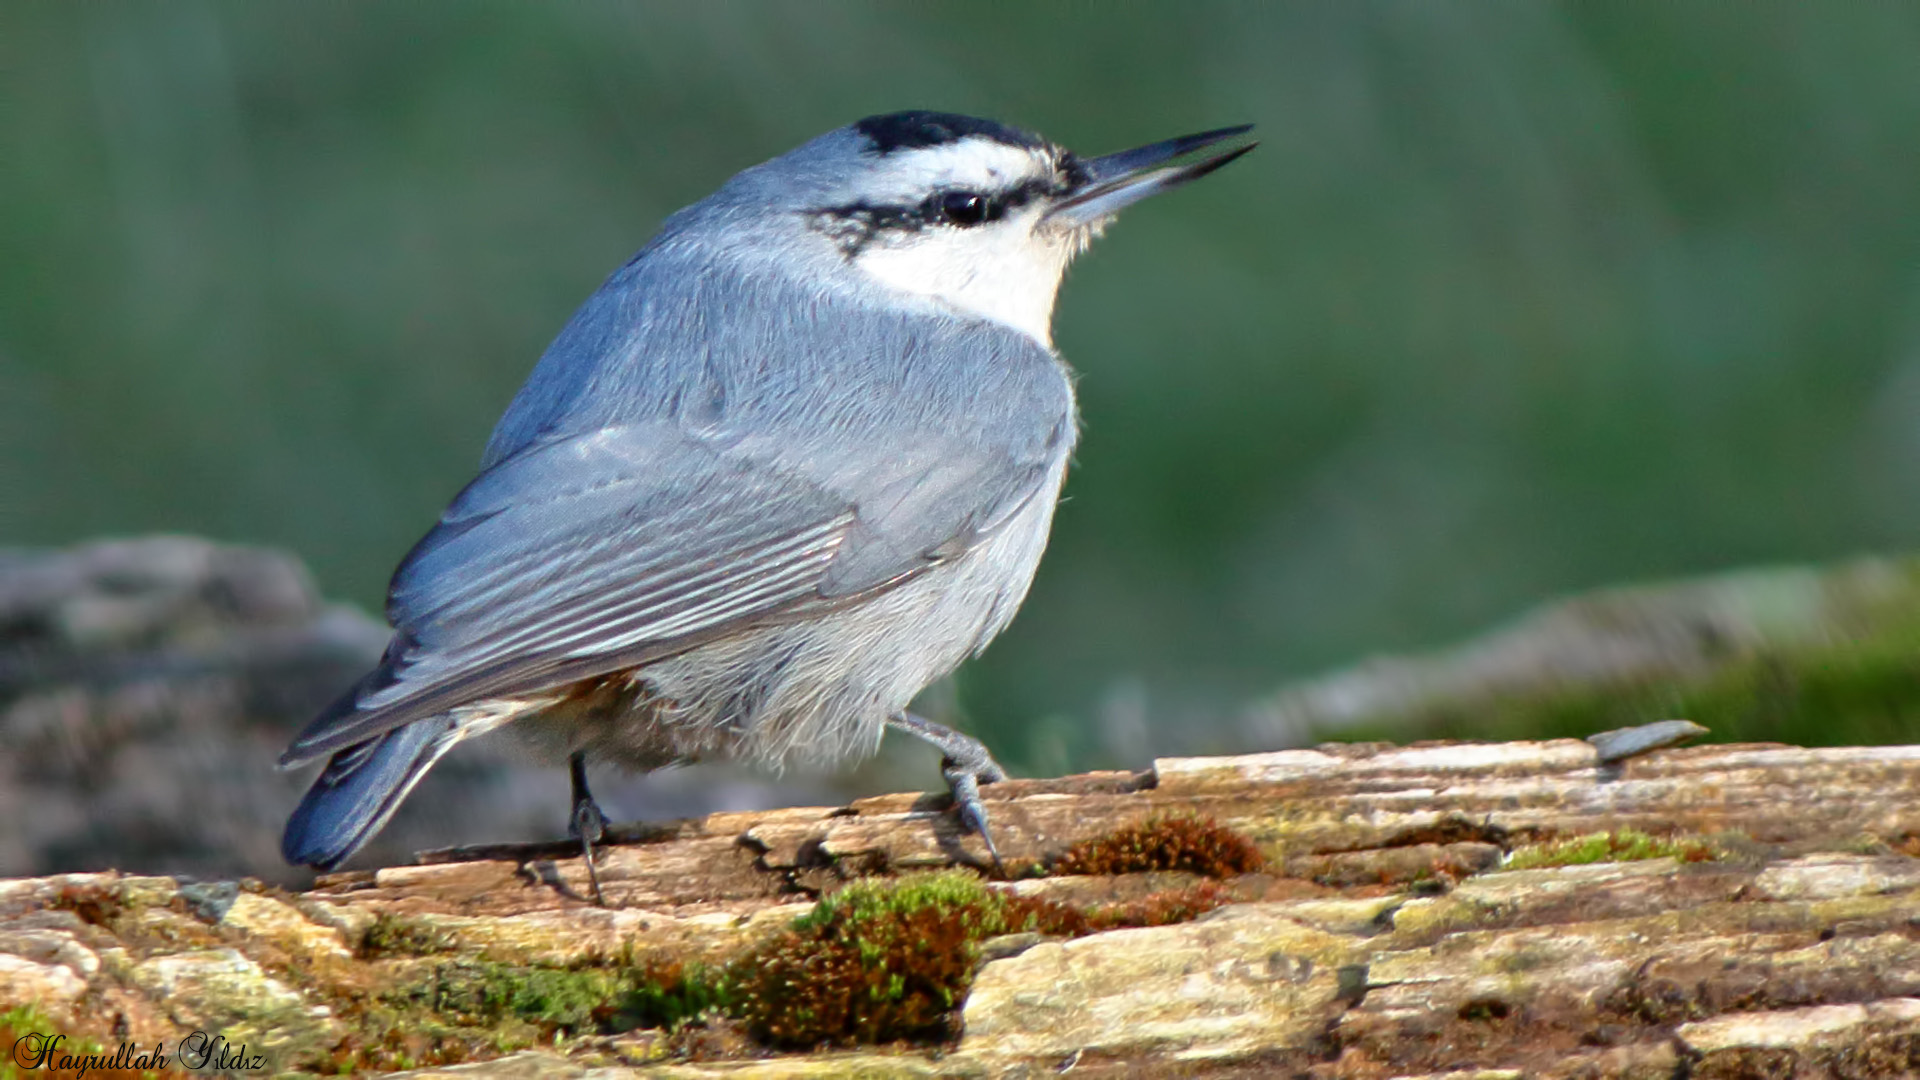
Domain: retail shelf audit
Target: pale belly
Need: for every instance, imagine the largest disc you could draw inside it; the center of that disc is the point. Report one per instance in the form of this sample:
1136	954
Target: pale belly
815	692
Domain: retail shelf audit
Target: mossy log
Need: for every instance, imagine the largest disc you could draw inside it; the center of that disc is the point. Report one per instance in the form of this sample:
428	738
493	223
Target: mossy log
1347	911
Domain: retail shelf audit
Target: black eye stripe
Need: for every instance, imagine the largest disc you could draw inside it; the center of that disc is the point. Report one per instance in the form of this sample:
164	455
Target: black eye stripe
854	225
961	207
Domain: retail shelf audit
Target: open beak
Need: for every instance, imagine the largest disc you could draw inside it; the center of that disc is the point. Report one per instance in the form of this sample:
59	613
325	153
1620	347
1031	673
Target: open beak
1109	183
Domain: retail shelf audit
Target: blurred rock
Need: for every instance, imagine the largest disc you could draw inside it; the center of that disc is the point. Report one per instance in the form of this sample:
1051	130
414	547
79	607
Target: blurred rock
1812	655
148	686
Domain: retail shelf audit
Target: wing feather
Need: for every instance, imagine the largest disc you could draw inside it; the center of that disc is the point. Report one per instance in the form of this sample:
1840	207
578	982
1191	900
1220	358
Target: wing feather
606	531
562	584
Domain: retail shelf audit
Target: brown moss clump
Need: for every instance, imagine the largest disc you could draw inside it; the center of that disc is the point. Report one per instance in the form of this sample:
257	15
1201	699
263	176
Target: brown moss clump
1159	909
93	904
398	935
1194	844
141	922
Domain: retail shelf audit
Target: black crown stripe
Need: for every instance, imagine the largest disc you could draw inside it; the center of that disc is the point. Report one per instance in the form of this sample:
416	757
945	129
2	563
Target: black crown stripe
918	129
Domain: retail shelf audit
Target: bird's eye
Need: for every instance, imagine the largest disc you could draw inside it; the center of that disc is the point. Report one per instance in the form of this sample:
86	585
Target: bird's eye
964	207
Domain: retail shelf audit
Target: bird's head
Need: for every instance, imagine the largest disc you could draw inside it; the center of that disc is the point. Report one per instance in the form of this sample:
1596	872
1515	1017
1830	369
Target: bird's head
966	213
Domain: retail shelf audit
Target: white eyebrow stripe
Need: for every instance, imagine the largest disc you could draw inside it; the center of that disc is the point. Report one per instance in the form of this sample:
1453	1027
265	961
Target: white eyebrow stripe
971	163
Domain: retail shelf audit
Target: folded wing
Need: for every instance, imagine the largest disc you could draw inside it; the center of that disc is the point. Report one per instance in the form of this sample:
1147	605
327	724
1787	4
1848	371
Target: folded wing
603	551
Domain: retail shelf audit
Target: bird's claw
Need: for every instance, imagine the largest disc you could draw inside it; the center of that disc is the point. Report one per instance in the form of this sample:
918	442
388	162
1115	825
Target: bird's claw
966	764
965	785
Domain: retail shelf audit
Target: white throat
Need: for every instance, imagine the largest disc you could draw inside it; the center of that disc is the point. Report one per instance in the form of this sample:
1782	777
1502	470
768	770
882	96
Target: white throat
985	273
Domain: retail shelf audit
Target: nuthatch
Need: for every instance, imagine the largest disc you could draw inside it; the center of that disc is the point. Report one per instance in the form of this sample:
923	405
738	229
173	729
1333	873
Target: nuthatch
788	466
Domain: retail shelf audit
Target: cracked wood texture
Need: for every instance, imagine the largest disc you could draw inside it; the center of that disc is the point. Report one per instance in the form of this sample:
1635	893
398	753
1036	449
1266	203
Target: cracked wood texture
1778	935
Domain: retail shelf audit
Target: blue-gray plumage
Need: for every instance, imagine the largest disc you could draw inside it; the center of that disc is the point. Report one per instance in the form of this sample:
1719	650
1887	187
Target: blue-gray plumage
792	463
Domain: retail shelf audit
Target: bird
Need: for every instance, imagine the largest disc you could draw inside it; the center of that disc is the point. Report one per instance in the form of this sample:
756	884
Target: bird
793	462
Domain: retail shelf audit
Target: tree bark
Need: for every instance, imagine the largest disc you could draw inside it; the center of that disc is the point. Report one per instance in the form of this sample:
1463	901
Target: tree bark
1743	910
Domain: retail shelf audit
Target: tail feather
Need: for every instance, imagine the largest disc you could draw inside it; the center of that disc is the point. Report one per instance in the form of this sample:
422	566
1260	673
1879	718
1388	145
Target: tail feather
360	789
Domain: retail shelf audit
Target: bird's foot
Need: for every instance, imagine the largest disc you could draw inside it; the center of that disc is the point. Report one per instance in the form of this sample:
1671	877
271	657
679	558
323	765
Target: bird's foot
966	764
587	822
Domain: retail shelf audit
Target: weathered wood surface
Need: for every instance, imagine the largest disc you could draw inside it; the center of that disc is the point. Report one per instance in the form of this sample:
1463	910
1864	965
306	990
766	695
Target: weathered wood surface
1384	938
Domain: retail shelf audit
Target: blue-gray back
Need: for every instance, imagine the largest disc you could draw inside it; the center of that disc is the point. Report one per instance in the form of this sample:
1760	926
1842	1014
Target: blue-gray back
710	444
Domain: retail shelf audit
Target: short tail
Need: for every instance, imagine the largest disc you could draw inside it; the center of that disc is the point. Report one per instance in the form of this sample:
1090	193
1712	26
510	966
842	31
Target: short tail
359	790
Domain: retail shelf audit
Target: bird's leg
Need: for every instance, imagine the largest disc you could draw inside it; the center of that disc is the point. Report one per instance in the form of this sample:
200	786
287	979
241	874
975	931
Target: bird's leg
966	764
588	823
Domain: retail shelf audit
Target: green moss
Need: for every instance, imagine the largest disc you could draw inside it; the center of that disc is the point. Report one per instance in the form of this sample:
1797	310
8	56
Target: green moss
589	998
482	993
448	1010
1625	845
875	901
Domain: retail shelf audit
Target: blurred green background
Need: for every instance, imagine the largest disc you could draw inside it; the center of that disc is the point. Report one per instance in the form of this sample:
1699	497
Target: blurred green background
1513	300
